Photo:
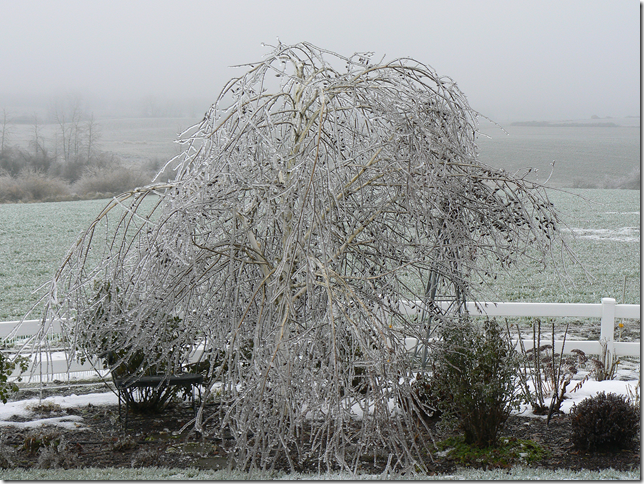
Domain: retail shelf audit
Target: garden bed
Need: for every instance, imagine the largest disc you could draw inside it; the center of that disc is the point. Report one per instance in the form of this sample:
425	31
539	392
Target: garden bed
96	439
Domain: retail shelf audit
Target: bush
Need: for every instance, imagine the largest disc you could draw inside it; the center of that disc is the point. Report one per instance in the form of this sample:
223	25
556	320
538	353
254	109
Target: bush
38	186
109	180
10	189
604	422
476	369
7	367
115	346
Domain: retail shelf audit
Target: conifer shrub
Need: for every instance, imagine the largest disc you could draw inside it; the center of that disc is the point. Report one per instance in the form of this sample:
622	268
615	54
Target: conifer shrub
604	422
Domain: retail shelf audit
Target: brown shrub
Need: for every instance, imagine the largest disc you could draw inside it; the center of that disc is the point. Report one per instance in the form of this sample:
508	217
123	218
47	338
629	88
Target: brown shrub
10	190
38	186
109	181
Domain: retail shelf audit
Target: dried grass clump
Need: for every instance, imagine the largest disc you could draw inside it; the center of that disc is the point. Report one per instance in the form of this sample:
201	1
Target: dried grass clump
318	193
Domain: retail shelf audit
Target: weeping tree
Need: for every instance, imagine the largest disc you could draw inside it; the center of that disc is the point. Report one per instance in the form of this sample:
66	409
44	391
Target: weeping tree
318	193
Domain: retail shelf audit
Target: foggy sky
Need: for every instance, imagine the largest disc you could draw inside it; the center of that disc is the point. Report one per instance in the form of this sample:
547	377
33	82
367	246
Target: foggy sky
513	59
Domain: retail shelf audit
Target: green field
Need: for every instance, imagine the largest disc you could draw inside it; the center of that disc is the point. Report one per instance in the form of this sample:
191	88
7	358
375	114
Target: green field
34	239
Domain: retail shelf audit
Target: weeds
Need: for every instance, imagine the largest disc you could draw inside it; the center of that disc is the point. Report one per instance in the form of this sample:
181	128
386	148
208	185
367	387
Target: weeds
546	374
37	439
507	453
57	455
605	368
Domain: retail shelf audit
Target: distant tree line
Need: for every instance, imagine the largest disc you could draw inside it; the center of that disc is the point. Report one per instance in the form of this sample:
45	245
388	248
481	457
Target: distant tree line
68	167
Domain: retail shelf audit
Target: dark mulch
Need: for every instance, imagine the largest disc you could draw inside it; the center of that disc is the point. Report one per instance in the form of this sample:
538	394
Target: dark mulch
157	442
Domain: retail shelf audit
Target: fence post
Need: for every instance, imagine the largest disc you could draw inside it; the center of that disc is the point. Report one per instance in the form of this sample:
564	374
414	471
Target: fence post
608	322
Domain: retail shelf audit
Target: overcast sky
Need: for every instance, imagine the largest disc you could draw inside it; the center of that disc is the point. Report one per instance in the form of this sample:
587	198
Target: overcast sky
560	59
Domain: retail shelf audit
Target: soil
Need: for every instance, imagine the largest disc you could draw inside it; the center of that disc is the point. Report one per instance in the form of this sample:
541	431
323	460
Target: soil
101	441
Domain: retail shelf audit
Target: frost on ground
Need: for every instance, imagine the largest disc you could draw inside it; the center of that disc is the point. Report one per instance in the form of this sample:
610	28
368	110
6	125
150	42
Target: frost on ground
157	474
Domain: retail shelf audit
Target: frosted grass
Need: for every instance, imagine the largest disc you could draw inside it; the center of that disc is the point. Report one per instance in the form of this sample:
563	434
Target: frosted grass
161	473
34	238
605	235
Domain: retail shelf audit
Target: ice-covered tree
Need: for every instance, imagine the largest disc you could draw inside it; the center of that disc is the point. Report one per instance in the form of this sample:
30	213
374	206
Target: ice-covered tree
318	193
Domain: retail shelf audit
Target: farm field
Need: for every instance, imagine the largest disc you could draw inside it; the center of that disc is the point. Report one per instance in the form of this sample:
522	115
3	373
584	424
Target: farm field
603	229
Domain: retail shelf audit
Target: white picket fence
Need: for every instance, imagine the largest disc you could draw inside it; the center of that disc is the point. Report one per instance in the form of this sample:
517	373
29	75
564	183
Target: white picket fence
55	365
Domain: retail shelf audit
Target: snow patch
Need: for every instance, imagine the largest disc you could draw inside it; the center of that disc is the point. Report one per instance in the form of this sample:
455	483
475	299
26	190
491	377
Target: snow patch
24	409
622	234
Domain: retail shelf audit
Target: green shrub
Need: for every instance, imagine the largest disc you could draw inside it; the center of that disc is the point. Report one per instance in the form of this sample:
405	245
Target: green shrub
473	380
604	422
107	335
7	367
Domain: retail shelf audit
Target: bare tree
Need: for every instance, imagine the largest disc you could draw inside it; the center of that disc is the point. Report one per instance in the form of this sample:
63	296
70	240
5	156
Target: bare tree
6	129
38	141
92	135
68	114
317	194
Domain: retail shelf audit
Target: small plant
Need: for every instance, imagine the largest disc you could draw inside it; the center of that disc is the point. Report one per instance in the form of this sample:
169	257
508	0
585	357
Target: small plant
606	367
604	422
545	374
124	443
36	439
55	455
144	458
476	368
634	392
7	367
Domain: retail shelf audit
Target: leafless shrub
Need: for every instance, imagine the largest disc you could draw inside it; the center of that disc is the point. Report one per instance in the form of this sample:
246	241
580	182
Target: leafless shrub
110	180
318	192
10	189
38	186
545	374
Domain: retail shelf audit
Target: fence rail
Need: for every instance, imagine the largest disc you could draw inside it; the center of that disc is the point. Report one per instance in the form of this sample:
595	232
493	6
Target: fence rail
608	311
57	366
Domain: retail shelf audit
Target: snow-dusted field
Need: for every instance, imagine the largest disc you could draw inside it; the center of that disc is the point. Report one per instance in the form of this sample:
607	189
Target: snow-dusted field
603	227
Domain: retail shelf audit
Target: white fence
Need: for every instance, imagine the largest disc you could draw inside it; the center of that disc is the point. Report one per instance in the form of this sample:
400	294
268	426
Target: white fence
608	311
56	365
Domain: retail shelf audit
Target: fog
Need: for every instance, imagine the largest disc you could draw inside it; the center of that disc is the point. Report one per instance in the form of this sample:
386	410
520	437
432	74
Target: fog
545	60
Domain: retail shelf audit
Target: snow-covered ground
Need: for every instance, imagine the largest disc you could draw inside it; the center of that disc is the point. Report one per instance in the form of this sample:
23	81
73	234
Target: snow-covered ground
24	408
